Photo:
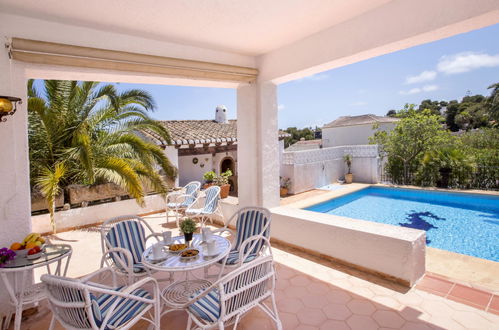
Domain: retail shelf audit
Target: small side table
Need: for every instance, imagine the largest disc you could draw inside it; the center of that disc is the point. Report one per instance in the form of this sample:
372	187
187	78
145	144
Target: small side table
15	274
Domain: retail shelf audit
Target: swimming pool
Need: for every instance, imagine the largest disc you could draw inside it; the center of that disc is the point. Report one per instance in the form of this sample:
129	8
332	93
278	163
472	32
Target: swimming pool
457	222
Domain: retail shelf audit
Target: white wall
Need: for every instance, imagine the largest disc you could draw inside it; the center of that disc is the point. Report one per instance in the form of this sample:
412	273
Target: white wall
96	214
351	135
309	169
395	251
193	172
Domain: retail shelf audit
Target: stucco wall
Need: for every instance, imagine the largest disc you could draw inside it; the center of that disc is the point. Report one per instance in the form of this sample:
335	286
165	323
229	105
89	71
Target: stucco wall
309	169
193	172
351	135
394	251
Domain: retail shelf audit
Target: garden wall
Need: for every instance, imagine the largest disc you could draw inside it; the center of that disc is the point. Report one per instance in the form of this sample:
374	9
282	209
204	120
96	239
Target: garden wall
309	169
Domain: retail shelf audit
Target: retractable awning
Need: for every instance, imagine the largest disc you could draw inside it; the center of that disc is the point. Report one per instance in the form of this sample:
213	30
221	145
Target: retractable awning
43	52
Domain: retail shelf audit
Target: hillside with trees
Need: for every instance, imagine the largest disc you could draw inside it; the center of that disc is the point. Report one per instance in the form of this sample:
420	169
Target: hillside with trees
473	111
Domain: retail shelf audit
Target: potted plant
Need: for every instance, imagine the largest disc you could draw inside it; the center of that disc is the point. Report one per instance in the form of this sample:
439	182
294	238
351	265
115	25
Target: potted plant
222	181
209	177
349	176
284	186
188	227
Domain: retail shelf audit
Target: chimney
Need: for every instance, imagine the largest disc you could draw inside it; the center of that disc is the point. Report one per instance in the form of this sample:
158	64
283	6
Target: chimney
221	114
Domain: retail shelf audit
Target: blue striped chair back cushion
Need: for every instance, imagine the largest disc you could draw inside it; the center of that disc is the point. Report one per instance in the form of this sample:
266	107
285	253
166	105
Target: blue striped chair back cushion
211	201
208	307
192	191
250	223
129	235
75	316
124	311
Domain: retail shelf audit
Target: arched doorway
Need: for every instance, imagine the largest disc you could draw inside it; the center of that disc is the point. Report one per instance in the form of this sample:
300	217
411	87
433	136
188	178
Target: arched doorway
228	163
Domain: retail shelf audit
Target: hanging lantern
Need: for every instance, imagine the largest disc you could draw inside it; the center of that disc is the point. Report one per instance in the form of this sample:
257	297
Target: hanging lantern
8	106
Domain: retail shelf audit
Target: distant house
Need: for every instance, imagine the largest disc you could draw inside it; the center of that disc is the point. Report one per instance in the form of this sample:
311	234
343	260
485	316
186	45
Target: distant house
305	145
354	130
199	146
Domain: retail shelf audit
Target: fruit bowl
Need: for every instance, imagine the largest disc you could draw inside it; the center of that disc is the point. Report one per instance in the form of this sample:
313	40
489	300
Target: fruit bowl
22	253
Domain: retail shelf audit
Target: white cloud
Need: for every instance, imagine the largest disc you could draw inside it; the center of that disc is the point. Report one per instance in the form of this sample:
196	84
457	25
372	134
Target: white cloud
430	88
281	107
358	104
417	90
465	62
422	77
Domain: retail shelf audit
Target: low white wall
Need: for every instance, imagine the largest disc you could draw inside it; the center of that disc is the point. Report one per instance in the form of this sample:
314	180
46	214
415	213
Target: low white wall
394	251
309	169
97	213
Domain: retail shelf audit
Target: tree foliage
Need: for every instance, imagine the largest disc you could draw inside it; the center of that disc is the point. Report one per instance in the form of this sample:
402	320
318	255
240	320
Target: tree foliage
415	134
473	111
297	134
421	151
87	132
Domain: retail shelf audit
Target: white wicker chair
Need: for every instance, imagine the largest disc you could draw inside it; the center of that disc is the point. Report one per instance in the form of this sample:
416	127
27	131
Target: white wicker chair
179	201
82	304
251	236
227	300
210	208
123	241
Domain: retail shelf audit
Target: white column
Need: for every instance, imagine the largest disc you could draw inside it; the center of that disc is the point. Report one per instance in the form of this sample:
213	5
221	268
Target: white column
258	145
15	205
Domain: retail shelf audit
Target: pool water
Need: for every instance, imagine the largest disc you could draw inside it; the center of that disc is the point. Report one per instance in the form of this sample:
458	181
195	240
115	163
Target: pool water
457	222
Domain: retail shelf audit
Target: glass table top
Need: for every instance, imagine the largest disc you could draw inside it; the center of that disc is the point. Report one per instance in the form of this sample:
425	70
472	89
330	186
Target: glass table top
49	253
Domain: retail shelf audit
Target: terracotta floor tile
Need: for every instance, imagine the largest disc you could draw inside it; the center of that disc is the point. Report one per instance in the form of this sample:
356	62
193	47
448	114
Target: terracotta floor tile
388	319
314	301
311	316
333	324
494	303
415	326
337	311
339	296
435	284
289	320
361	307
362	322
290	305
476	297
300	280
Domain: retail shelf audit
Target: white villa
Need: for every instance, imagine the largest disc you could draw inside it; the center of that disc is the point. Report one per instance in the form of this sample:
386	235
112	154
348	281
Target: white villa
199	146
354	130
251	47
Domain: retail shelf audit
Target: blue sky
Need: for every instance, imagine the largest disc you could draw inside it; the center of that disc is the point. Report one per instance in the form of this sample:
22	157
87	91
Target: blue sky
443	70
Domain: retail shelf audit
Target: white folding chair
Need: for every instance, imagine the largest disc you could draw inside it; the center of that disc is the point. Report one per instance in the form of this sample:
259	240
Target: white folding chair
251	237
228	299
123	240
83	304
179	201
210	208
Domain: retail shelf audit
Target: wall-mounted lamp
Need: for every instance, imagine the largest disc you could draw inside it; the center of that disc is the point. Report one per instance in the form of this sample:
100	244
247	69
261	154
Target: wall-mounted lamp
8	105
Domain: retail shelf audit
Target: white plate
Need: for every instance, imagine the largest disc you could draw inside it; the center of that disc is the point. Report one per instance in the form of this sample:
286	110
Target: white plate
34	256
206	254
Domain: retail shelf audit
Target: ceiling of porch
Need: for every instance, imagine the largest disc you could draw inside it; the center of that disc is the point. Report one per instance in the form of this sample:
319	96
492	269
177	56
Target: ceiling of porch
246	27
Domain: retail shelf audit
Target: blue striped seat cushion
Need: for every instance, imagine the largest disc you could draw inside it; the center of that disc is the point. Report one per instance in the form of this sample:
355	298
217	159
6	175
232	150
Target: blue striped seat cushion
177	205
233	258
197	211
124	311
208	307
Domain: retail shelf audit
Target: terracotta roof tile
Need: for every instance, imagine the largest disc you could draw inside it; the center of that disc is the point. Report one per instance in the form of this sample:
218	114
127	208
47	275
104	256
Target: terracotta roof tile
185	132
360	120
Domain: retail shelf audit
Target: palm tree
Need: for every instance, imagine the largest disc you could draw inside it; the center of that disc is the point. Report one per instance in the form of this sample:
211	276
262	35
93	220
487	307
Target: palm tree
86	133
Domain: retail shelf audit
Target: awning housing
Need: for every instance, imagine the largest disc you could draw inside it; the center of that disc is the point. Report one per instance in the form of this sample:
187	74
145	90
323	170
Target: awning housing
43	52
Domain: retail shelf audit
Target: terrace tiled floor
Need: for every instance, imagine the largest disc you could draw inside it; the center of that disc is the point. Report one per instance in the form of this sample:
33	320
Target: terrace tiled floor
314	294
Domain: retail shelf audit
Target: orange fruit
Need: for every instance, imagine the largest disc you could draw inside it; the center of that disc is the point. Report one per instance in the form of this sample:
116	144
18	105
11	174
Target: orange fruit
16	246
30	245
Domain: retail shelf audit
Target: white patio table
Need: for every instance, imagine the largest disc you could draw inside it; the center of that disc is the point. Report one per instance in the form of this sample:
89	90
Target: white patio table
180	291
16	276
